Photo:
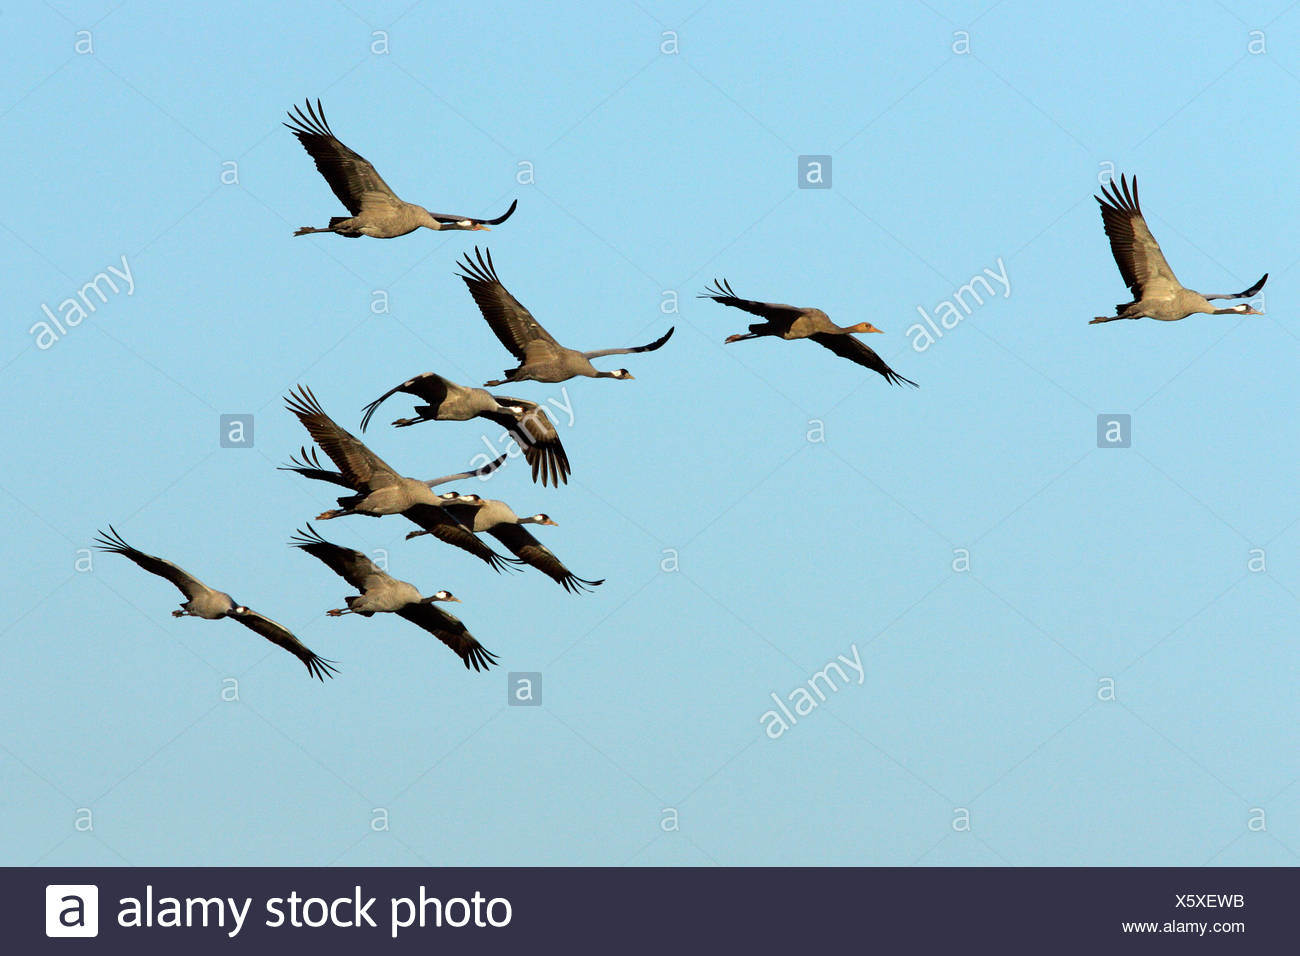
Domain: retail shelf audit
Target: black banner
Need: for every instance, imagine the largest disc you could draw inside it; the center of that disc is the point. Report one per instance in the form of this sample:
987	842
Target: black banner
661	911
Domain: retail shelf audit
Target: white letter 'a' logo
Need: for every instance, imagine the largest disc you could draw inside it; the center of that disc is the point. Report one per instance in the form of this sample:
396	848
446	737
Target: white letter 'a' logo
71	910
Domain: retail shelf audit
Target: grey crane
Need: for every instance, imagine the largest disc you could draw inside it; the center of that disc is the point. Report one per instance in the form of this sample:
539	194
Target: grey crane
1157	293
541	358
212	605
432	518
380	489
525	421
792	322
380	592
499	520
376	209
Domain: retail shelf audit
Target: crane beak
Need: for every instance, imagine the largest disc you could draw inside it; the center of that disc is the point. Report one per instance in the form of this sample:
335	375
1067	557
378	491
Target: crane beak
479	225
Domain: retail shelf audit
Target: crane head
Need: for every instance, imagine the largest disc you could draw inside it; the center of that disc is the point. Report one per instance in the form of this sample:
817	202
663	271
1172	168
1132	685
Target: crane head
436	224
866	327
467	224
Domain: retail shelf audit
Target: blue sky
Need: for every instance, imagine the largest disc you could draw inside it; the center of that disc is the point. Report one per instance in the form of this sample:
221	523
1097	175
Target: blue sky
1068	654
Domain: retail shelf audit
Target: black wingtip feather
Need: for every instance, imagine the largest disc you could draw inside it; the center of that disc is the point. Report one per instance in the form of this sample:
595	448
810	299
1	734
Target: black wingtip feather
481	658
576	585
320	668
502	218
305	539
111	542
721	290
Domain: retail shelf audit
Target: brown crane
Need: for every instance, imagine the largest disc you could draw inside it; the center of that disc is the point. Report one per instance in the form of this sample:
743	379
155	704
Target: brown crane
380	489
432	518
381	592
791	322
525	421
376	210
212	605
499	520
1157	293
541	358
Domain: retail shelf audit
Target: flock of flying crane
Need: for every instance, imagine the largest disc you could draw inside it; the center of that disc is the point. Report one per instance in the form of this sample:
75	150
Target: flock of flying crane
377	489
